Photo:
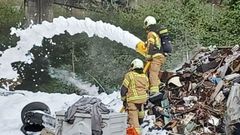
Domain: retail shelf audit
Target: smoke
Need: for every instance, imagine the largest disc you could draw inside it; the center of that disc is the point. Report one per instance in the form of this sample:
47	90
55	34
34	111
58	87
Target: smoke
70	78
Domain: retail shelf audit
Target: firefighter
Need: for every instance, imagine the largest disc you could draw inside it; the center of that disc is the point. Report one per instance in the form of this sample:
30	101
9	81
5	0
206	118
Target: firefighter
154	54
134	94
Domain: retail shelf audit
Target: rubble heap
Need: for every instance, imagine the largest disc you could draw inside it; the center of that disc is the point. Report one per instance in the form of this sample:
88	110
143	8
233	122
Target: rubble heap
204	95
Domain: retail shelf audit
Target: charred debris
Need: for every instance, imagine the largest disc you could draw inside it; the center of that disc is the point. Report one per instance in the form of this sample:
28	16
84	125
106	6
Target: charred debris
202	97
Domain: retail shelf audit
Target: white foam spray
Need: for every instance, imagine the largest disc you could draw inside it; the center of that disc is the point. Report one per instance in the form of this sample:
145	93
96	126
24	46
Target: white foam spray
34	35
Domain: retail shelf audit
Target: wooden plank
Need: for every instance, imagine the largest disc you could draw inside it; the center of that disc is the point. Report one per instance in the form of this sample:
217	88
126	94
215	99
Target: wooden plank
217	89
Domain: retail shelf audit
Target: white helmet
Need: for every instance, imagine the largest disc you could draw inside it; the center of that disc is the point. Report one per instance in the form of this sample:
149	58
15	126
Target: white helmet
149	20
137	63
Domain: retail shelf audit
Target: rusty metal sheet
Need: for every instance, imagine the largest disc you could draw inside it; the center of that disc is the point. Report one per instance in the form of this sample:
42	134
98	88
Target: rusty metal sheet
208	66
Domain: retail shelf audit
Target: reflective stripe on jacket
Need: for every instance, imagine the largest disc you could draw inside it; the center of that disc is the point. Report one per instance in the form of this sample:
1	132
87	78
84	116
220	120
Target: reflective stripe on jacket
137	85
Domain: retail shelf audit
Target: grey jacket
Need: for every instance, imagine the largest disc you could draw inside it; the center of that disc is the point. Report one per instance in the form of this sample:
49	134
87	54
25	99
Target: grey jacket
89	105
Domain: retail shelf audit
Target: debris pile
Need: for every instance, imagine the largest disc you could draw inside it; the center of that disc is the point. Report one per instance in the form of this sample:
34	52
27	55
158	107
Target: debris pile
204	95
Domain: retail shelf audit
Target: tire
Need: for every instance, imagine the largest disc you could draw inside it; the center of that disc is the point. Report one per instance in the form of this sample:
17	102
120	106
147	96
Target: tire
33	107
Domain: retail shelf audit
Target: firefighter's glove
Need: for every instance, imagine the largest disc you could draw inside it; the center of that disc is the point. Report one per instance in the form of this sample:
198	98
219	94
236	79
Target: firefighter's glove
125	104
151	93
162	86
123	98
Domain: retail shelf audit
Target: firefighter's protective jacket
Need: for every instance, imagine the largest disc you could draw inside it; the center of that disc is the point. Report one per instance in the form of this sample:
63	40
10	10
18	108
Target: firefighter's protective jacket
153	44
152	47
134	88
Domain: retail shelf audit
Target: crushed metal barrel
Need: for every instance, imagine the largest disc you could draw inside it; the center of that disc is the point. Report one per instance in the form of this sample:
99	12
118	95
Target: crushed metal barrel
203	96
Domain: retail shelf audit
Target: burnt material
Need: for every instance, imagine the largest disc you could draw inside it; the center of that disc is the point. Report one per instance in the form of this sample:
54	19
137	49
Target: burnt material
204	99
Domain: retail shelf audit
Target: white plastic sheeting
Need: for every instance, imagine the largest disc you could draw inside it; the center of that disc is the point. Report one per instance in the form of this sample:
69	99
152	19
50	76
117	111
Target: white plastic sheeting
34	35
233	104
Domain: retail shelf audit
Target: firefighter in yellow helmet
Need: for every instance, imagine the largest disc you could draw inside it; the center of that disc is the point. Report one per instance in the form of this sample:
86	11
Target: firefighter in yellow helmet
134	93
153	54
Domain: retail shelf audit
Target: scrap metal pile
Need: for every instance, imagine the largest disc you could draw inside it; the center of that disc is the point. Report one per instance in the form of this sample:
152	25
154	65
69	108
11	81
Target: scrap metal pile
204	95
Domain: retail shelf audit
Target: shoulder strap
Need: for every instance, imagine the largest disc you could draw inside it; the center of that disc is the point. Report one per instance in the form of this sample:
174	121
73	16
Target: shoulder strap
163	31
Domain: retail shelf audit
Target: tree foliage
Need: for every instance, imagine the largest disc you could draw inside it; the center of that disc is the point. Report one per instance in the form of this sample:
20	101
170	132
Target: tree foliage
10	16
192	23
